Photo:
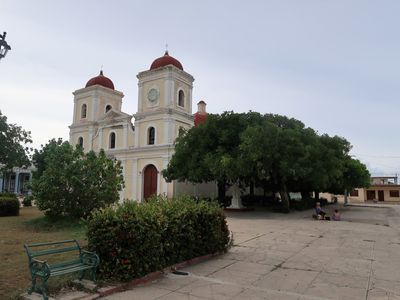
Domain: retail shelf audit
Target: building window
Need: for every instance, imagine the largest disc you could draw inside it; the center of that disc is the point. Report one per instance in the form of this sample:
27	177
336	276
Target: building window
354	193
151	135
83	111
80	141
108	107
394	194
112	140
181	98
371	195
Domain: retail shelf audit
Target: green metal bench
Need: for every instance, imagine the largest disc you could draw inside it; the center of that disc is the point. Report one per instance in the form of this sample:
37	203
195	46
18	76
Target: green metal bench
81	262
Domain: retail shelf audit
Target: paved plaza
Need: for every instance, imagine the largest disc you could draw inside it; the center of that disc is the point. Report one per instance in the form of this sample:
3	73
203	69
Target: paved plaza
278	256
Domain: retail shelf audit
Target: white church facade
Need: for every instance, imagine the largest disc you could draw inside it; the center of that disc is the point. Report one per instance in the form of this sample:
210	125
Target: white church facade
145	148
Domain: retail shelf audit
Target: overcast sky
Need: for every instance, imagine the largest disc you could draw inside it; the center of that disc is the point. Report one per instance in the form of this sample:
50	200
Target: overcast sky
335	65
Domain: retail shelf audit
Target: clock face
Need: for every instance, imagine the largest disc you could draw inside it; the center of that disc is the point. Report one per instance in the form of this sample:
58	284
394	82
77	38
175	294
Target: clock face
152	95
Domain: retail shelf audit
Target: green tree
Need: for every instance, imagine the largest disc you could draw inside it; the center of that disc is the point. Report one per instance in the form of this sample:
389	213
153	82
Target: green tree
277	151
210	152
71	183
13	145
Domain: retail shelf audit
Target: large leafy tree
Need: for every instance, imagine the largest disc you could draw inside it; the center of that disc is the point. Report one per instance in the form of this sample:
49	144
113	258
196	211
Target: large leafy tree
210	152
272	151
14	143
71	183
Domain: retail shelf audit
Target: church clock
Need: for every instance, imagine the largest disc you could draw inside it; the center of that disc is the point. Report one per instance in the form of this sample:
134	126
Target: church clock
152	95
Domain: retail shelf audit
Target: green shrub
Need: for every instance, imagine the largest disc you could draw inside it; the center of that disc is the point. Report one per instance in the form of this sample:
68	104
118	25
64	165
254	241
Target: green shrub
8	195
27	200
9	206
135	239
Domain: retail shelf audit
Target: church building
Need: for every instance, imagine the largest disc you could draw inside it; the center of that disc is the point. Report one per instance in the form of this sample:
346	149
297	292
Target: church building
145	148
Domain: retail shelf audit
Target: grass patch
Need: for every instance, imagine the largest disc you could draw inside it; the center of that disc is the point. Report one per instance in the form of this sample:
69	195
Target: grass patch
48	224
31	226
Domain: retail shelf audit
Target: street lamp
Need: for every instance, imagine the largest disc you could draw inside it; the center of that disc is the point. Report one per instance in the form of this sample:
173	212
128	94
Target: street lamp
4	47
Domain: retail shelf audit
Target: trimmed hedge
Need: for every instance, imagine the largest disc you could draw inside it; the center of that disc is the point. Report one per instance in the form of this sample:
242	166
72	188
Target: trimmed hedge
9	205
135	239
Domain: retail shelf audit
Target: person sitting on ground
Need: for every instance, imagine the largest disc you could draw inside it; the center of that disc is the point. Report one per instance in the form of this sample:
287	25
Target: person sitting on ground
336	215
319	212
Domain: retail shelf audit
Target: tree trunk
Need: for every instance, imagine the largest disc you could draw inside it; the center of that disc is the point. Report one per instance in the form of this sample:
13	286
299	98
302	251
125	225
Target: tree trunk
305	195
285	198
345	197
316	195
252	189
221	191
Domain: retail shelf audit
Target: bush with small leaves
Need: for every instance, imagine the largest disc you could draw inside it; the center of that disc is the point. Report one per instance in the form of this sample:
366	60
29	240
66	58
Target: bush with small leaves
134	239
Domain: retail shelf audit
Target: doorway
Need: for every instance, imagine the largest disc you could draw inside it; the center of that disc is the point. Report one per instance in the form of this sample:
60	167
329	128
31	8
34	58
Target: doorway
150	181
381	196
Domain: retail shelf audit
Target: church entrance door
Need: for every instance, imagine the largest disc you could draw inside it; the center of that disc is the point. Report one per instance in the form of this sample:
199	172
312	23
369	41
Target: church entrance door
150	181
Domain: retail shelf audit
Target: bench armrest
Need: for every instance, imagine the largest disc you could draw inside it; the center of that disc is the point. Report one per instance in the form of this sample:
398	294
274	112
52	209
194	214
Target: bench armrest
89	258
39	266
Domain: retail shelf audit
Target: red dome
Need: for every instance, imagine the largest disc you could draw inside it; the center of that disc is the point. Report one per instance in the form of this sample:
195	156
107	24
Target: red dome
101	80
165	61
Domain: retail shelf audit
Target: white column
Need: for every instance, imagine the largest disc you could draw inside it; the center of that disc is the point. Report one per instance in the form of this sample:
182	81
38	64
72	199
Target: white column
140	94
190	100
90	136
16	181
125	136
95	105
135	176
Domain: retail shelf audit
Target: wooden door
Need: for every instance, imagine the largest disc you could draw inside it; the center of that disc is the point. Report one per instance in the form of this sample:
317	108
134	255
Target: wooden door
150	181
381	196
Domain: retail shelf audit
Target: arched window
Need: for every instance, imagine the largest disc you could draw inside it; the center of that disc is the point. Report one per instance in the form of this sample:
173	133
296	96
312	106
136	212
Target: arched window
151	135
108	107
83	111
112	140
181	98
80	141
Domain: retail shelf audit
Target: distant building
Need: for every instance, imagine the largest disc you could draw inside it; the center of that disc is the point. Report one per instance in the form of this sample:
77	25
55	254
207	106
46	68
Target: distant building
16	180
382	189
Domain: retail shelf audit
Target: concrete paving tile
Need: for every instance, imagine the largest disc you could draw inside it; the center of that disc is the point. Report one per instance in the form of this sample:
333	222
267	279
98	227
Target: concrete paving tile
305	263
234	276
179	296
174	282
339	287
147	292
391	287
365	244
378	295
250	267
72	295
211	289
251	294
386	271
287	280
288	246
201	269
241	237
349	266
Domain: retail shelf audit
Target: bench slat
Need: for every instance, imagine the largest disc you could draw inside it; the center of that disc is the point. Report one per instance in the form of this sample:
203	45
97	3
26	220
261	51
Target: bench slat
65	263
51	243
70	270
53	251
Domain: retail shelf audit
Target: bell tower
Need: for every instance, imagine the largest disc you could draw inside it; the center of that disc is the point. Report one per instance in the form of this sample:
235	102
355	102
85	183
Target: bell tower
165	102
